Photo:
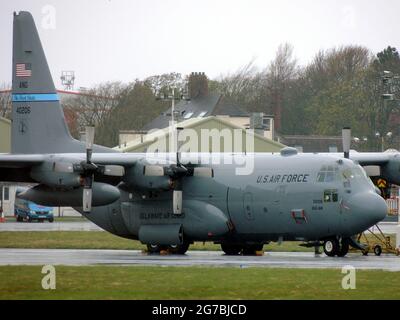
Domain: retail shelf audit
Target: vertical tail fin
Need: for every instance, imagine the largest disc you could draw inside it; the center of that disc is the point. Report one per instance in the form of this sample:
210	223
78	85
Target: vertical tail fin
38	124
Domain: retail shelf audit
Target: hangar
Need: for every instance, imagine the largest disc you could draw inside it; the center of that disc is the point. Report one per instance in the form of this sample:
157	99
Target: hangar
7	191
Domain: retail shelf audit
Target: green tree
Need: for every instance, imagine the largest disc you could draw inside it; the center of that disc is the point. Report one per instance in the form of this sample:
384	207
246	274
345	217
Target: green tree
387	59
137	106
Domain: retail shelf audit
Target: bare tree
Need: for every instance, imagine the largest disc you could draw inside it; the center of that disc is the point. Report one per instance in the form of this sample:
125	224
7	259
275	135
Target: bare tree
278	74
5	100
284	66
91	106
243	87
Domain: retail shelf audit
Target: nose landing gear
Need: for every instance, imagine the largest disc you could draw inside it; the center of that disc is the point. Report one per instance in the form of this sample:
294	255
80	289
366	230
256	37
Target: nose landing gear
335	247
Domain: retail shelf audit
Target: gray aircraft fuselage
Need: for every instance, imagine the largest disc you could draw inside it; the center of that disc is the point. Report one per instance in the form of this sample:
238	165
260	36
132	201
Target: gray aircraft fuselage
303	197
286	196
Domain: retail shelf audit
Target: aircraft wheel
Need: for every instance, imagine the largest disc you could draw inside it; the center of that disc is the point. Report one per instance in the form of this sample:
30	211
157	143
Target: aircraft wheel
153	248
378	250
231	249
331	247
344	248
51	220
252	249
179	248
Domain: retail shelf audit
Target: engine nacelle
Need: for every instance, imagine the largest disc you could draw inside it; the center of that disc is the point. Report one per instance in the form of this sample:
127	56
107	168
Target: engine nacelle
136	178
47	174
103	194
391	171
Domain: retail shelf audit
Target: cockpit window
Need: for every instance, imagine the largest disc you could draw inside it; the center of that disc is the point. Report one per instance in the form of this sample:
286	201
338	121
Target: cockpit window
349	174
328	174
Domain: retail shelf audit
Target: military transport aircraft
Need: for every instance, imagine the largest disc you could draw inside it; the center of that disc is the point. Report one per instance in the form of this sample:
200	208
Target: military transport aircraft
171	203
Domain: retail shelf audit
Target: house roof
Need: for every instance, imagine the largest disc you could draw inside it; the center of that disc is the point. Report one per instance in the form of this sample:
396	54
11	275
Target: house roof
199	107
227	107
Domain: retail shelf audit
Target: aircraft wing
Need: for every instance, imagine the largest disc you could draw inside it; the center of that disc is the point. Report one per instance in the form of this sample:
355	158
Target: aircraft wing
369	158
16	167
20	160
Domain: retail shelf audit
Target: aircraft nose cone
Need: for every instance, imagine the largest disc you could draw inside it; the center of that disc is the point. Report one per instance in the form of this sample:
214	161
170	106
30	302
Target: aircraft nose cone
369	207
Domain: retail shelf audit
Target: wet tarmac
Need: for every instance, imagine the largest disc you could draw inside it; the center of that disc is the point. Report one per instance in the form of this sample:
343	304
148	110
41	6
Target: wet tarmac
47	226
194	258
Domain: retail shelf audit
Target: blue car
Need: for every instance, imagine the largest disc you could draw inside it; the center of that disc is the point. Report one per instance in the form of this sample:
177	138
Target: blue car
30	211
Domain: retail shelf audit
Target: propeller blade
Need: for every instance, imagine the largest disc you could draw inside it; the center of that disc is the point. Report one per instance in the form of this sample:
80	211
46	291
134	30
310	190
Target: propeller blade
87	199
87	193
346	140
177	202
113	170
89	143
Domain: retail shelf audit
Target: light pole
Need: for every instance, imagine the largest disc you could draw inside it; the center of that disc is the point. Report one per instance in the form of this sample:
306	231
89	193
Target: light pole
382	136
174	127
387	78
361	143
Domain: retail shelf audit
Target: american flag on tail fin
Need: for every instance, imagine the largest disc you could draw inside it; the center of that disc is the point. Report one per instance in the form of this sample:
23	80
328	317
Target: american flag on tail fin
23	70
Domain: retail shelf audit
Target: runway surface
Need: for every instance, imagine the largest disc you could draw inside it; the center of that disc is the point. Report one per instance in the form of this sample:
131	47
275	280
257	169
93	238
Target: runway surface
85	225
193	258
47	226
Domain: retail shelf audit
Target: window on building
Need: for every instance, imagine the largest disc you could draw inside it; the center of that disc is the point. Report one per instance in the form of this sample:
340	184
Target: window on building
188	115
6	193
266	122
333	148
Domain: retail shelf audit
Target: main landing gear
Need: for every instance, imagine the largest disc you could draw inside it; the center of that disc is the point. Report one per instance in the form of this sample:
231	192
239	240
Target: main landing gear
335	247
173	248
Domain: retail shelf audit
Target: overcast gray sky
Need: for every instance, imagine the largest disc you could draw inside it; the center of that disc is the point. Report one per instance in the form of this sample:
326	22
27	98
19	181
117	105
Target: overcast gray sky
107	40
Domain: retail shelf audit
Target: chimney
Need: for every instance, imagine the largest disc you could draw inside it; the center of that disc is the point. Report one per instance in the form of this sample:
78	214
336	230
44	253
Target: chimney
198	85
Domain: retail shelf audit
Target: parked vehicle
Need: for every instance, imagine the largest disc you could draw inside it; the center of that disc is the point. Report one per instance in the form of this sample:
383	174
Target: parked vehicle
30	211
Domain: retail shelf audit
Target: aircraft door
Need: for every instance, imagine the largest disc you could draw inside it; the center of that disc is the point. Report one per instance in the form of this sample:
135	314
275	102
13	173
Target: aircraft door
248	205
130	214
